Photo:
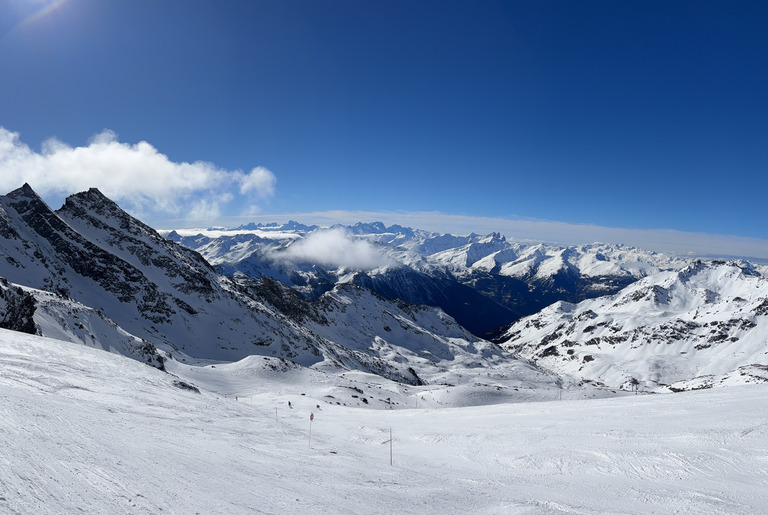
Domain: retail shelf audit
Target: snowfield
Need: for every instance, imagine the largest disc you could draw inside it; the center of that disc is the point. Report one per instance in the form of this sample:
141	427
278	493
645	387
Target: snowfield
83	430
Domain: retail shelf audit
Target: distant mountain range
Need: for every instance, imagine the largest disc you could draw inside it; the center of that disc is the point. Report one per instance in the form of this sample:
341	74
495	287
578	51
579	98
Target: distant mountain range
484	282
400	303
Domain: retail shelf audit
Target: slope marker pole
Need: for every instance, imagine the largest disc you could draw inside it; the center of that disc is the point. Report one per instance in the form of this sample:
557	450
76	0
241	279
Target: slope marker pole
311	418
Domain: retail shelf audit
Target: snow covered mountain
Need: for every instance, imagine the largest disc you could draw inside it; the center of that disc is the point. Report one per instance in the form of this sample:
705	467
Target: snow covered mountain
93	252
483	282
90	273
702	326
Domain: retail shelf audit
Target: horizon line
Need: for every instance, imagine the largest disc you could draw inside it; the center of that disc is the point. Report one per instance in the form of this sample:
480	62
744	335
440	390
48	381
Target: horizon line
672	241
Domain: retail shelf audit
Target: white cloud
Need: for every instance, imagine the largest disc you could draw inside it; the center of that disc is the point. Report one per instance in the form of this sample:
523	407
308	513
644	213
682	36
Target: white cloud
137	176
208	208
335	247
260	181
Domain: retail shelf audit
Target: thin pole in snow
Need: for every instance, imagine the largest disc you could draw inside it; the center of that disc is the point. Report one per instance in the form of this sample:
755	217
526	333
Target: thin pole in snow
275	414
311	418
390	446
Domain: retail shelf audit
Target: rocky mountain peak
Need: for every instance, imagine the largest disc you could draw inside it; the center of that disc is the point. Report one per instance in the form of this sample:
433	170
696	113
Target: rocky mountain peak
25	191
24	199
96	208
35	213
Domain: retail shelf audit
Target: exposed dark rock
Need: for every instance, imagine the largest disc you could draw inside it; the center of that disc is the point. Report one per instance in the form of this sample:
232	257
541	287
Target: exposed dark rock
185	386
17	309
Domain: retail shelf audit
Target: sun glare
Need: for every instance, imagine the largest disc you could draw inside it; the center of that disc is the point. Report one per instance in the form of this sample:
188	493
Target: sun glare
41	8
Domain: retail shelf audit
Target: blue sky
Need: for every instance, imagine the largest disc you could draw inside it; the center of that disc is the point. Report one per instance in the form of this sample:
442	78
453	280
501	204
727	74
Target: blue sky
624	116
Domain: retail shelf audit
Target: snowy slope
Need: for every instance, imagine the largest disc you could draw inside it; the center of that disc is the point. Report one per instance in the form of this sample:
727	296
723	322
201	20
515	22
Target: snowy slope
60	318
425	344
701	326
414	345
84	431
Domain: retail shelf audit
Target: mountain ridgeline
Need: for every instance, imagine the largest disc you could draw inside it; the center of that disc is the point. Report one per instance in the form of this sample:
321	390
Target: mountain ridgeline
484	282
91	273
407	305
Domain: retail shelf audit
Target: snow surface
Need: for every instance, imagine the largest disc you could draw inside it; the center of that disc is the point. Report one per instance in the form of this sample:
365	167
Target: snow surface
83	430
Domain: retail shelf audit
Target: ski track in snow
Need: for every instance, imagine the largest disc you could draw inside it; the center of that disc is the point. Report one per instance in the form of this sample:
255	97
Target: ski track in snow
82	430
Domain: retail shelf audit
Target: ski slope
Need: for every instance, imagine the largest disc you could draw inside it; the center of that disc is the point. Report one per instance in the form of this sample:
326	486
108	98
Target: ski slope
86	431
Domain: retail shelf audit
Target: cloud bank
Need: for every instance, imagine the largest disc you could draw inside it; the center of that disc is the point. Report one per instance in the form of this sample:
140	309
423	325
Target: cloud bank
137	176
337	248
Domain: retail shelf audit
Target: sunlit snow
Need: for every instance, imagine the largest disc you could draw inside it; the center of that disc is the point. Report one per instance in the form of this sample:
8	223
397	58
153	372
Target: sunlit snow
84	430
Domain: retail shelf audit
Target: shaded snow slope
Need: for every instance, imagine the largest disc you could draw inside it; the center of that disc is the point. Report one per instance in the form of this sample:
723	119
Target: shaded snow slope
61	318
698	327
84	431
